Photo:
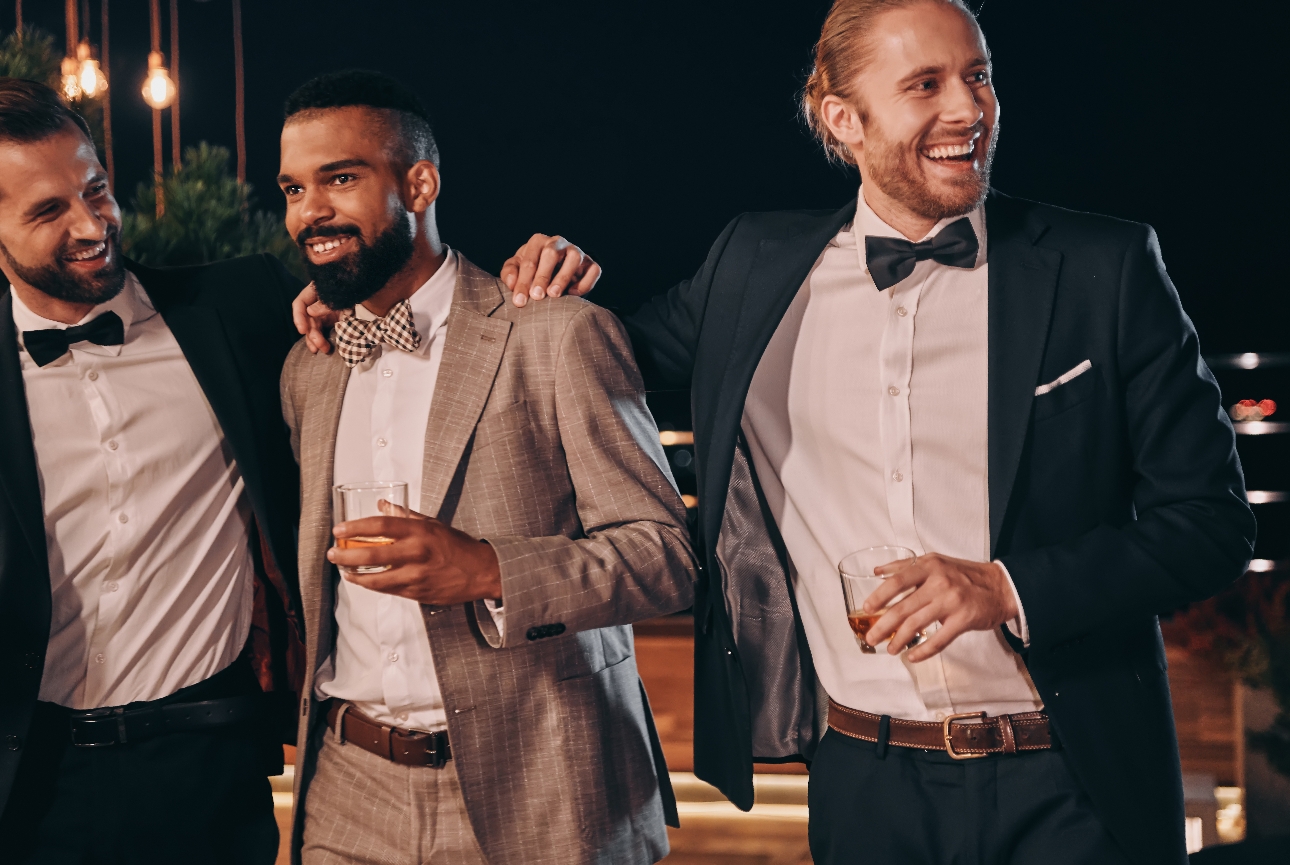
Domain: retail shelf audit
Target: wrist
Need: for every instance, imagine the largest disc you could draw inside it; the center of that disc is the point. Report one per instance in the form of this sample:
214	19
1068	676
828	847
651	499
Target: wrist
1011	610
491	572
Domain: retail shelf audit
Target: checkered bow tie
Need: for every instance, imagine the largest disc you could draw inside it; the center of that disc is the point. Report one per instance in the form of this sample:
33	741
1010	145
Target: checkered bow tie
357	338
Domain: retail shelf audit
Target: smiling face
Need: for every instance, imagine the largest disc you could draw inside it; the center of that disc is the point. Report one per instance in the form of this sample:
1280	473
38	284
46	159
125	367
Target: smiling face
347	202
59	224
922	116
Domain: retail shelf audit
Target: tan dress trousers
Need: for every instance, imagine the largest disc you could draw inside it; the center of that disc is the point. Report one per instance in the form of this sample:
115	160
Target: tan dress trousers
361	808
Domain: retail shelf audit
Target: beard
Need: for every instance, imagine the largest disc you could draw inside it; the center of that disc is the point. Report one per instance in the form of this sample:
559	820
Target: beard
349	281
896	169
58	280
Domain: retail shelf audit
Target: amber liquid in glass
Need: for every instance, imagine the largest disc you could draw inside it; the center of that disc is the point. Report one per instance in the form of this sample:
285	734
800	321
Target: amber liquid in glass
363	541
862	622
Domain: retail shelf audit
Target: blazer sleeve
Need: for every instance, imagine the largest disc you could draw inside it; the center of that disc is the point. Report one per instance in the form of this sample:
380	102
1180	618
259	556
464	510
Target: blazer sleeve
290	393
1194	530
665	331
635	560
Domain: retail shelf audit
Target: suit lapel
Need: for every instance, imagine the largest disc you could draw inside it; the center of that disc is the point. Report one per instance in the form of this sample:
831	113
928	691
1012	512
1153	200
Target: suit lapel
19	477
1023	284
778	270
472	353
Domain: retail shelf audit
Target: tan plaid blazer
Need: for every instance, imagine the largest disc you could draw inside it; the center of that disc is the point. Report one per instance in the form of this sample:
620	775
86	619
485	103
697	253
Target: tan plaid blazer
538	440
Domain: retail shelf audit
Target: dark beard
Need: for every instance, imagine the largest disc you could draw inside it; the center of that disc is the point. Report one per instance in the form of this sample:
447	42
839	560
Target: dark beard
60	282
897	173
349	281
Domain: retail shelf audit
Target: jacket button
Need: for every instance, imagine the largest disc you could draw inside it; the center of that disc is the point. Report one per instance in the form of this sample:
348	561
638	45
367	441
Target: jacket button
557	629
13	743
33	660
534	634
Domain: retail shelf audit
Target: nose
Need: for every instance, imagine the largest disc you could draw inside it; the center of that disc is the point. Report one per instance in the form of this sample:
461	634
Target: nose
314	207
87	223
961	107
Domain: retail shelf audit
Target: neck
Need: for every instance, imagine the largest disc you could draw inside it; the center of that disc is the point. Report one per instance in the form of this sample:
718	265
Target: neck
897	215
428	255
61	311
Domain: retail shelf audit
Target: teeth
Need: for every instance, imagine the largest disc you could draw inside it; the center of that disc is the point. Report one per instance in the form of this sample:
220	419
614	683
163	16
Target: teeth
92	252
946	151
325	246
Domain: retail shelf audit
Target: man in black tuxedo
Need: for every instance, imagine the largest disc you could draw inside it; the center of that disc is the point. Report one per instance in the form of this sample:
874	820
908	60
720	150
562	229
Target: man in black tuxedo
148	503
1030	414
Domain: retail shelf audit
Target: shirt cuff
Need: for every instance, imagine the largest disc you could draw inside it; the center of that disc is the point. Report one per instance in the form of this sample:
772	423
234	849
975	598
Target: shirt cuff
1017	626
498	612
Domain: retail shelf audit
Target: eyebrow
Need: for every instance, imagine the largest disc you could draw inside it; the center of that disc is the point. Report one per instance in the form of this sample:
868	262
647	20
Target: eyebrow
342	164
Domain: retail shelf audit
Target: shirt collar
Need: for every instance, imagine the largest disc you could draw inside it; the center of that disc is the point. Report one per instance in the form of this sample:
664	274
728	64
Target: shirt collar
868	223
430	303
131	304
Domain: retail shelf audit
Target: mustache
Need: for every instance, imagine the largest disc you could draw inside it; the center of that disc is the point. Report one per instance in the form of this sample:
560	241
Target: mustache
309	233
949	135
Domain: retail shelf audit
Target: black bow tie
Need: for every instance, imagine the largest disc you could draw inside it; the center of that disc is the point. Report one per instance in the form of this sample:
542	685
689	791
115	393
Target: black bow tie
891	259
47	346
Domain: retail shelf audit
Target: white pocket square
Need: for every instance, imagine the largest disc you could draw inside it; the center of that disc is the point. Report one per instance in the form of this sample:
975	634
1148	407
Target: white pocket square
1062	379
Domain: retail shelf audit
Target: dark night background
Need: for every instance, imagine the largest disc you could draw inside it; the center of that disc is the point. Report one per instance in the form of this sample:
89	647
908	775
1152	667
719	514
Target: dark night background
639	129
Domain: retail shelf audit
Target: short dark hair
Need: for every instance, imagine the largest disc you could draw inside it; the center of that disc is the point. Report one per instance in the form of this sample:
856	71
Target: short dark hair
410	122
31	112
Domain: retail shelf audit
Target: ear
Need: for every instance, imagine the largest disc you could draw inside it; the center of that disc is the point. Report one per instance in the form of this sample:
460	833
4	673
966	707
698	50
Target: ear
842	119
422	186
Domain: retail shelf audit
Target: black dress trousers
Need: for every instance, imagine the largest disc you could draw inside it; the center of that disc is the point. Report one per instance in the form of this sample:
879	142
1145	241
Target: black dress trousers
201	798
913	807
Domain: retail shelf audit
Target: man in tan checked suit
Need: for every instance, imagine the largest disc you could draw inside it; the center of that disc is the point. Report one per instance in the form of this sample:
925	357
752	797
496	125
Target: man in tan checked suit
477	699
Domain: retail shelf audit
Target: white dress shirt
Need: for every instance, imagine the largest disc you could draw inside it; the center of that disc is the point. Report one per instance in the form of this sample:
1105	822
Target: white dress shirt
382	662
146	521
867	425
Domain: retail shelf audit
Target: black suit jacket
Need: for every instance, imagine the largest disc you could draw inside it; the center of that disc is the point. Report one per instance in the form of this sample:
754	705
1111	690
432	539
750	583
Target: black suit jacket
1113	498
233	322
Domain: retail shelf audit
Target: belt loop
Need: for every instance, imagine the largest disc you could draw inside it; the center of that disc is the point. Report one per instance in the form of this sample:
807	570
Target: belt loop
340	723
1009	736
884	733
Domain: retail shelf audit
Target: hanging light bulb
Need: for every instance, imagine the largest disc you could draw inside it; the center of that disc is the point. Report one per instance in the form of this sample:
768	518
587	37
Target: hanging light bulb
71	80
90	77
158	89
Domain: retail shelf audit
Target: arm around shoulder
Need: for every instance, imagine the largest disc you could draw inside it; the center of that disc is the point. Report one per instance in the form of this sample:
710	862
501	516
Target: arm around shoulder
665	331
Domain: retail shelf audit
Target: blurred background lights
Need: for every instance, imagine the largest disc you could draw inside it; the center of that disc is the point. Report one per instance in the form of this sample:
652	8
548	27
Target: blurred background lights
158	89
90	77
1249	411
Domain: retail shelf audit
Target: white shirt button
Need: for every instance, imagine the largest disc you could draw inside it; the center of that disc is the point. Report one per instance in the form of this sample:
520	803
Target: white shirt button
940	716
112	445
402	716
125	518
93	376
113	586
897	477
893	390
901	311
394	657
387	373
98	659
380	443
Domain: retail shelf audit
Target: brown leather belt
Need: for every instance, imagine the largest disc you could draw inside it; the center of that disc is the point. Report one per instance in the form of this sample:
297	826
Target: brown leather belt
405	747
1000	734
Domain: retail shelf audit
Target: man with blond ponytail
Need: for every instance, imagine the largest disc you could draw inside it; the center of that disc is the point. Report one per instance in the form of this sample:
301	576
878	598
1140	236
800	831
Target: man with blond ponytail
1011	391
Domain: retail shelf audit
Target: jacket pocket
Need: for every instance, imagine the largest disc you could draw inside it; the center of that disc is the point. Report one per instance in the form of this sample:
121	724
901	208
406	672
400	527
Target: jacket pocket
1063	397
